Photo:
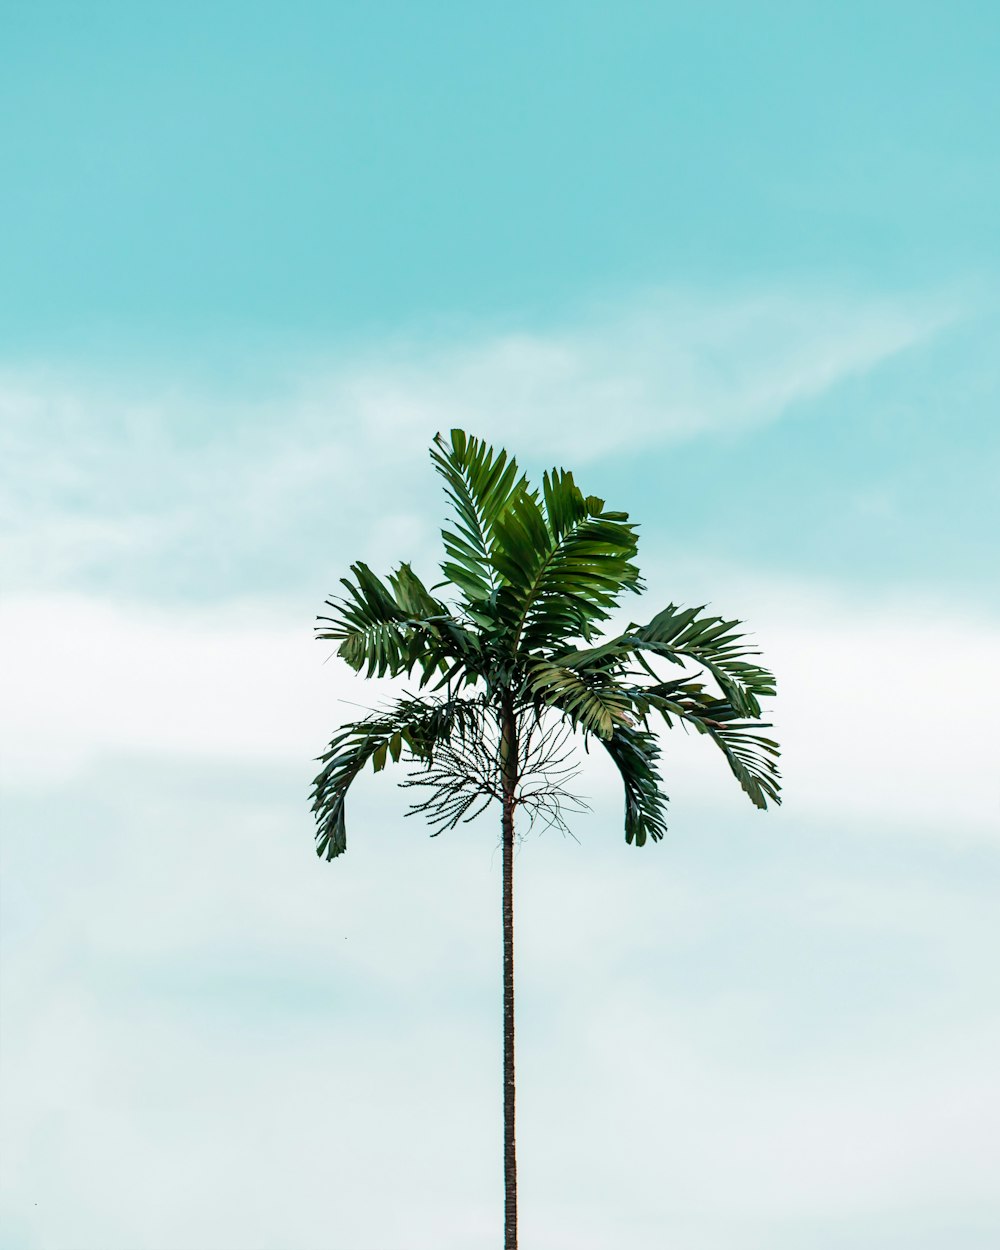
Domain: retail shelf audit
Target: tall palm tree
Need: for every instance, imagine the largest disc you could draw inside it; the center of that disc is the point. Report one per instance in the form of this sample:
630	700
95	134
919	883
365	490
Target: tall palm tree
512	652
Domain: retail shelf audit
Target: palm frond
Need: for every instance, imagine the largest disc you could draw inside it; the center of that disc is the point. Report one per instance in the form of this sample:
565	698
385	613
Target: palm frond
481	485
680	635
419	726
391	629
751	756
589	702
635	753
565	562
368	624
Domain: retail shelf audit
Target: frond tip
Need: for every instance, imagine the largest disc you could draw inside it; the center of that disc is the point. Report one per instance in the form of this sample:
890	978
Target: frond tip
635	754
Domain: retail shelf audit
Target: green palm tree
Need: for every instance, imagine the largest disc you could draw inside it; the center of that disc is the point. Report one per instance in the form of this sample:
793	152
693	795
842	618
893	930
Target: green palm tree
511	657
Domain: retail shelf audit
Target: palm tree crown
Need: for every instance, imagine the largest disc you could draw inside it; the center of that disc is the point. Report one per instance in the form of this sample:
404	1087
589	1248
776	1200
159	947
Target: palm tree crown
536	573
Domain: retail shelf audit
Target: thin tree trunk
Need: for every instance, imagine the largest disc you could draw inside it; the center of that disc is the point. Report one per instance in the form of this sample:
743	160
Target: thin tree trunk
509	765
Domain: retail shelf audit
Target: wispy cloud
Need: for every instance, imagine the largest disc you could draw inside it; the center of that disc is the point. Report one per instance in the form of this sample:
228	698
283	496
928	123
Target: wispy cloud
159	481
663	369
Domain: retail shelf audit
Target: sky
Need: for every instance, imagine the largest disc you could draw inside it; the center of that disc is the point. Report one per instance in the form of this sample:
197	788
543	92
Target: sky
737	267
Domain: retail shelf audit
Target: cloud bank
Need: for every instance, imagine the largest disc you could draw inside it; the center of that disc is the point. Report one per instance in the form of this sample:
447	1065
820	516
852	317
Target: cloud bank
96	682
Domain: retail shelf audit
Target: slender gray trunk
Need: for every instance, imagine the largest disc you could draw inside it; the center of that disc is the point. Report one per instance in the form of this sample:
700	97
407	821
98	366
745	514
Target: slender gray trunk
509	765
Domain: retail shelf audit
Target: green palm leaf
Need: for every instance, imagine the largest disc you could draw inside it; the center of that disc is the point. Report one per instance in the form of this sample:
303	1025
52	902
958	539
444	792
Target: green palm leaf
751	756
635	754
681	635
388	630
481	485
565	562
417	725
591	703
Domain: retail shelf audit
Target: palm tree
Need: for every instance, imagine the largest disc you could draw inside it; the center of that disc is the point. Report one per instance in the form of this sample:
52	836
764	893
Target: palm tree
511	663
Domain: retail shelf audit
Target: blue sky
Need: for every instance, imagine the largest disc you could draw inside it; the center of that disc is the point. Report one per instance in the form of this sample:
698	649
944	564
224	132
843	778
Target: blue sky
304	170
738	269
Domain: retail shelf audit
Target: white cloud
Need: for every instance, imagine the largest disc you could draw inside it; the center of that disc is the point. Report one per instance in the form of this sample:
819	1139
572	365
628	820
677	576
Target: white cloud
884	703
665	369
96	680
268	1053
882	713
202	1022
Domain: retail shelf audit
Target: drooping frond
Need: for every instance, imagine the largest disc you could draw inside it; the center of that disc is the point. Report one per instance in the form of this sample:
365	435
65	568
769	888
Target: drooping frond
682	635
751	756
635	753
418	725
730	719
